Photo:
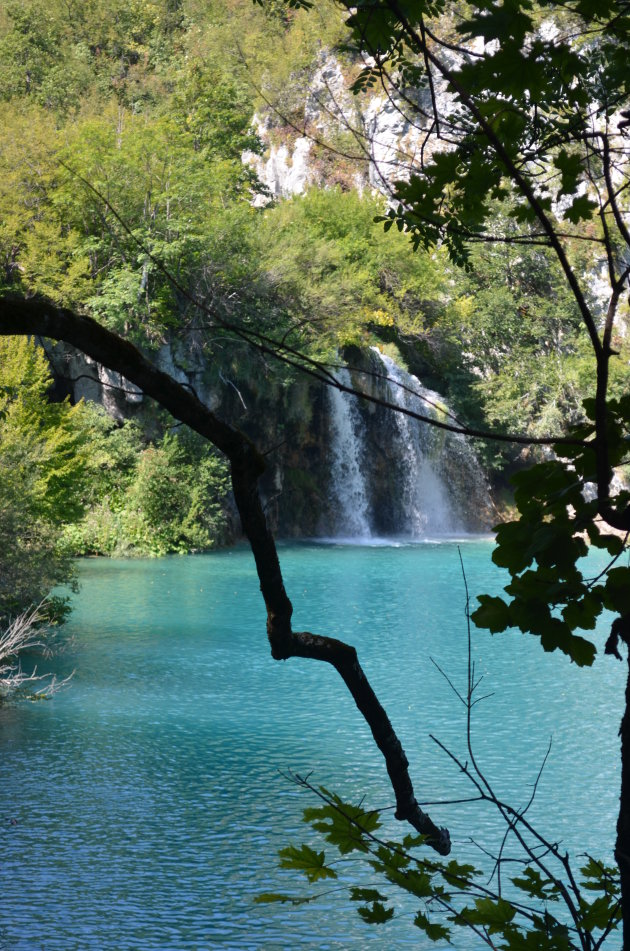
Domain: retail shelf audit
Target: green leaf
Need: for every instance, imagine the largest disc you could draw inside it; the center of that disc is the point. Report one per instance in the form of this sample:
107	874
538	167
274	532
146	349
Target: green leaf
267	898
599	913
536	886
414	881
610	543
545	935
306	860
376	914
583	613
581	651
600	877
343	825
580	209
616	592
501	23
570	168
457	874
366	894
411	841
493	613
434	932
492	914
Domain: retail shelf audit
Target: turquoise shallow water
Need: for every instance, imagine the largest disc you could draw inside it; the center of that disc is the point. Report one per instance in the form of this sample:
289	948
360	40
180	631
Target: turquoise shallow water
148	797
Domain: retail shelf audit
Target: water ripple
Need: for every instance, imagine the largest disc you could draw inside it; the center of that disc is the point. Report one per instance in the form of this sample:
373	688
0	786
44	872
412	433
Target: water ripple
148	798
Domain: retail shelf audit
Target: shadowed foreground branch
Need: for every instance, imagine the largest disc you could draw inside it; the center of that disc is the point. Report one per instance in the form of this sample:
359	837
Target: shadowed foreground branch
39	317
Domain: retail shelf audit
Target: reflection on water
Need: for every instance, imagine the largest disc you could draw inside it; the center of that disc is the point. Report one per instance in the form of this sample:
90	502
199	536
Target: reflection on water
148	799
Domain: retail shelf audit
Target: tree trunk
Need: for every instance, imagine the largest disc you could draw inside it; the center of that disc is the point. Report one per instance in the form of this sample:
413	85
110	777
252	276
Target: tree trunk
622	847
621	630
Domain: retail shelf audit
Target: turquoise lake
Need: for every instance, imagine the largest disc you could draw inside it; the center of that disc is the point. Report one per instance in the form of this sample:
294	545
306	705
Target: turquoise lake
148	795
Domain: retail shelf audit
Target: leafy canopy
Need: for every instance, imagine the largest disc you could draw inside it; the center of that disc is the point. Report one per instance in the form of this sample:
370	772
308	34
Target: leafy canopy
447	896
43	473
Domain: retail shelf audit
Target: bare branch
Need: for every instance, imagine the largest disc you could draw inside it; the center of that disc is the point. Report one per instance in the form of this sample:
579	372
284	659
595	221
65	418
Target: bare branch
23	634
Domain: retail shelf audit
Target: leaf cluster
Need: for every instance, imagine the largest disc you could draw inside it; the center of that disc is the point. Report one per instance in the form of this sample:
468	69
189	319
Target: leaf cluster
156	498
450	896
557	520
516	119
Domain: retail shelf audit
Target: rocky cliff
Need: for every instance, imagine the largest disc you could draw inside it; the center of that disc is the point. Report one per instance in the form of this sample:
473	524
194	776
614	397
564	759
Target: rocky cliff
336	465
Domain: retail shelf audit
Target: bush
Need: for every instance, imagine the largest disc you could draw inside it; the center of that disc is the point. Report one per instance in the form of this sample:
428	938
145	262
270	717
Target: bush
166	497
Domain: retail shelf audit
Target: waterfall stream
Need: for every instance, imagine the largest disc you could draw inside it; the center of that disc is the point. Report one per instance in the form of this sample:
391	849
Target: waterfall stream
348	482
427	506
392	475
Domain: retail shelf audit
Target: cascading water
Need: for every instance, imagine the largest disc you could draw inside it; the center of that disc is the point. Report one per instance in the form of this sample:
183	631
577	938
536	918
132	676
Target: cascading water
348	483
426	503
392	475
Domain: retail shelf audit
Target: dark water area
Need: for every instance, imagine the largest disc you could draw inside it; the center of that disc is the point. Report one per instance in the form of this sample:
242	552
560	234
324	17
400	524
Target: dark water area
148	795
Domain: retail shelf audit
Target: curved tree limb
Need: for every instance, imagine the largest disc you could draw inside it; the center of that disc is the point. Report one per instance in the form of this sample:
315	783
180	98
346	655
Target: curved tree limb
36	316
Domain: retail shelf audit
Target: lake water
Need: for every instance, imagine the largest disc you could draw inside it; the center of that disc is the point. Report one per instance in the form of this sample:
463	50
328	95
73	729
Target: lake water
148	796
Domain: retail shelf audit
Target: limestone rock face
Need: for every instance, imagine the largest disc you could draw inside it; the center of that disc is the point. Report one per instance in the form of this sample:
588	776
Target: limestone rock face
83	379
285	168
381	137
310	479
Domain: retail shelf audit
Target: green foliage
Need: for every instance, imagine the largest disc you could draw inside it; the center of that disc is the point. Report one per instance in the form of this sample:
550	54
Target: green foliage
145	175
343	826
505	340
451	895
154	109
304	859
52	52
324	255
507	218
156	499
43	473
175	502
174	200
518	97
542	548
510	344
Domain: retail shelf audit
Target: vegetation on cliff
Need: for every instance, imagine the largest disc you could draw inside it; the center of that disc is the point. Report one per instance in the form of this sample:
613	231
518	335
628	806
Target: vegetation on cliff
123	130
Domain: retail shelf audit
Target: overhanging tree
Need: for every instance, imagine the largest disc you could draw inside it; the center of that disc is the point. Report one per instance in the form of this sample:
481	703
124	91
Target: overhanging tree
20	316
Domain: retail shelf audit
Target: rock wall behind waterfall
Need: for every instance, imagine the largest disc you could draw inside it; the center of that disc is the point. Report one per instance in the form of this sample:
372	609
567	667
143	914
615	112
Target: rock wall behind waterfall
337	466
399	476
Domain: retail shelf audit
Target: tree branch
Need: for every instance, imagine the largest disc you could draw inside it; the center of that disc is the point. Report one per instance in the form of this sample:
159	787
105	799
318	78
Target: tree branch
38	317
511	169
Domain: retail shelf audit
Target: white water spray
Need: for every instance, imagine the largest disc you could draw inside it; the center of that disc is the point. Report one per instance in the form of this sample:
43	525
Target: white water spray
348	481
392	475
426	503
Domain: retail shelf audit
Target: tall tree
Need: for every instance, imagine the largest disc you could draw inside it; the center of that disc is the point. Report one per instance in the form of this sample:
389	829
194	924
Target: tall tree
42	473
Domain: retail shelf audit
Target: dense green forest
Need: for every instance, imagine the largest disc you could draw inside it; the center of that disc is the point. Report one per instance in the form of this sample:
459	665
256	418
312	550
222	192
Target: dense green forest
121	169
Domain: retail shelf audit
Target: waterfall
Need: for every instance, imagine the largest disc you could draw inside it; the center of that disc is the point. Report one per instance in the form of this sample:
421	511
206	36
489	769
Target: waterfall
348	480
392	475
426	503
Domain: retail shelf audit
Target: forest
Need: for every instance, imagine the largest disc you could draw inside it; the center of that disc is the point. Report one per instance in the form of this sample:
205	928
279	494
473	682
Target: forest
150	108
206	224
